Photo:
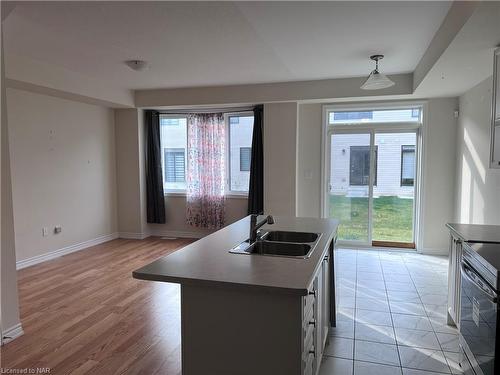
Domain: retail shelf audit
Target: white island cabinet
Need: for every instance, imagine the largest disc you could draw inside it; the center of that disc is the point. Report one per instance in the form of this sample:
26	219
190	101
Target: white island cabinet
252	314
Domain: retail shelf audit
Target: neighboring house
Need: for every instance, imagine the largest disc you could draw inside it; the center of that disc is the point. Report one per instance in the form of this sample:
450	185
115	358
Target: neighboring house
174	156
394	165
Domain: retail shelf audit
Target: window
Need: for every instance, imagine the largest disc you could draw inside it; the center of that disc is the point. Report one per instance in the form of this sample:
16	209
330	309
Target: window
379	116
359	165
245	157
240	129
173	134
350	116
407	165
175	165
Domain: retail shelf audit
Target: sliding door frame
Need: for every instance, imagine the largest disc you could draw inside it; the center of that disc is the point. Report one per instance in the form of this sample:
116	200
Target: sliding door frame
419	128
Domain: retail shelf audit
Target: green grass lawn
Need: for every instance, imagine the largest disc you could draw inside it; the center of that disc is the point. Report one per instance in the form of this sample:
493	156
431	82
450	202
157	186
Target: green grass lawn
392	218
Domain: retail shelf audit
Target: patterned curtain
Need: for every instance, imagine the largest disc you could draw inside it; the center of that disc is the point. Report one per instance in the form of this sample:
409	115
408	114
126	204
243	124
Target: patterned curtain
206	170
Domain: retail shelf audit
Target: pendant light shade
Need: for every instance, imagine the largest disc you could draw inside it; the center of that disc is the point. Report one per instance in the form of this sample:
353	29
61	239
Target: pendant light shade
376	80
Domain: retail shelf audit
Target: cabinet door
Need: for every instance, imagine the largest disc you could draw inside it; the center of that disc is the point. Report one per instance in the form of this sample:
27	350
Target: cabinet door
325	301
319	325
495	113
454	281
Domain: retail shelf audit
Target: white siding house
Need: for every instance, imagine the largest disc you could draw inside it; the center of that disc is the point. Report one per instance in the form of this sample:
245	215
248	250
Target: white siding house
395	164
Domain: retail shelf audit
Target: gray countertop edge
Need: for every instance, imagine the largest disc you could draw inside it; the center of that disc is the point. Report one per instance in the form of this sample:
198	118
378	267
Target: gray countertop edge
451	227
299	291
223	284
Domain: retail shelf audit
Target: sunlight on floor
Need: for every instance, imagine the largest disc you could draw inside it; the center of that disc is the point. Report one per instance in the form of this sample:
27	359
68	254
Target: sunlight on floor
391	316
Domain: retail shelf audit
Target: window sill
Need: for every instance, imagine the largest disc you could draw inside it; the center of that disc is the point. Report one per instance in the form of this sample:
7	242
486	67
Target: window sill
183	194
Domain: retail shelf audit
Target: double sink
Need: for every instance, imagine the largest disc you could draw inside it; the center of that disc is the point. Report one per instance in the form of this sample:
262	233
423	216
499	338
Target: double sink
280	243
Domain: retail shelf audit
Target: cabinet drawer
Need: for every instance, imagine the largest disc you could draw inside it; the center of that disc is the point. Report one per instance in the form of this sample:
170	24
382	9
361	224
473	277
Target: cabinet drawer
309	316
309	301
308	339
309	365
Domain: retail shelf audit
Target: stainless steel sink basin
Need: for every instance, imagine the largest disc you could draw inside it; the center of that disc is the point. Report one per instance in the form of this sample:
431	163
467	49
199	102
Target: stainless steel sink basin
284	236
280	249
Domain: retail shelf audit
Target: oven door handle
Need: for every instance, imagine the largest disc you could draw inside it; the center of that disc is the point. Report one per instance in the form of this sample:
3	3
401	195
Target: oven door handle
471	276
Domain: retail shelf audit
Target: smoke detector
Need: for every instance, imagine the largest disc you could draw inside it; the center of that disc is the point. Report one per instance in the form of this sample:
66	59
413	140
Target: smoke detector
137	65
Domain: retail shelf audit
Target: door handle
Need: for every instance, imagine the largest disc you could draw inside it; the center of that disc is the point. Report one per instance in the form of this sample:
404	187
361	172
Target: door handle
469	274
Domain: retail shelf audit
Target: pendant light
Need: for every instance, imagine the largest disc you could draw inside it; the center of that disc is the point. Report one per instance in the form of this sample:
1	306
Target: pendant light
376	80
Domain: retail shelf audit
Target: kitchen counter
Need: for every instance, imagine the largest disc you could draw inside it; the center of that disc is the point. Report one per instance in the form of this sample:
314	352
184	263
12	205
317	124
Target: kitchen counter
476	232
208	261
252	314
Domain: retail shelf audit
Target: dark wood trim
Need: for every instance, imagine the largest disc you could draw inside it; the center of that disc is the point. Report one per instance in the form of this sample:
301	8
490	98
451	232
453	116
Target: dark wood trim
404	245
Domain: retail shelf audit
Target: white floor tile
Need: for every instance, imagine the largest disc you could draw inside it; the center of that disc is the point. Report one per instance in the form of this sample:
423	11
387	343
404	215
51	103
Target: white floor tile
423	359
407	308
453	360
336	366
370	332
343	329
449	342
434	299
367	368
376	352
373	304
417	339
340	347
411	322
373	317
411	371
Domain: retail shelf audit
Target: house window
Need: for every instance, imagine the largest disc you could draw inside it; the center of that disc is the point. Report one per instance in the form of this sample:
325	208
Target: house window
359	165
245	156
240	129
407	165
378	116
175	165
173	136
353	116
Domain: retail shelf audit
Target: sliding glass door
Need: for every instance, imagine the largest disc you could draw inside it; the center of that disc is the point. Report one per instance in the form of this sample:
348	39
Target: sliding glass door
349	186
371	182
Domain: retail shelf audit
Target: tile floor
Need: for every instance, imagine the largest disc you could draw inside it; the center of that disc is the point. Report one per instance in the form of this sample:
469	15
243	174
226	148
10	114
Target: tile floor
391	316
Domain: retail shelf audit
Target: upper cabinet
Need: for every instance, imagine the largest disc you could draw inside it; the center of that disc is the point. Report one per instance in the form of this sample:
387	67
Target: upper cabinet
495	113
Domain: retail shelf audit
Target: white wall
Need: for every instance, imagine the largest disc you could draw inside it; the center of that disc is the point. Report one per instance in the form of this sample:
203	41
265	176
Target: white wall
309	160
280	158
439	167
175	211
63	171
9	309
128	161
439	174
477	193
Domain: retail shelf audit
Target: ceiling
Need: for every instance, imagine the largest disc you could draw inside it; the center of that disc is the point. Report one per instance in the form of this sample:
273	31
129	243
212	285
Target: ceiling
211	43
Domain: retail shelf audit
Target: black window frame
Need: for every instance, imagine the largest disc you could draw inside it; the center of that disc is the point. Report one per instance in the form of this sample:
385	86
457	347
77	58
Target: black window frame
404	181
375	165
166	151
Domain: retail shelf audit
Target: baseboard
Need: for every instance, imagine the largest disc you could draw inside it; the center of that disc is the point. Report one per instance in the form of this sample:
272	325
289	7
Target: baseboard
12	333
433	251
179	234
65	250
133	236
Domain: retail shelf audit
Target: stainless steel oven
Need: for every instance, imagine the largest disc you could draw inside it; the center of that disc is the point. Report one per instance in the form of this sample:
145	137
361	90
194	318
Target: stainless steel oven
479	311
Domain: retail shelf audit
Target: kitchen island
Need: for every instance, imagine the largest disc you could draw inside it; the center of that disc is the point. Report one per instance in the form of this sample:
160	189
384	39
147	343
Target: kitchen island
252	314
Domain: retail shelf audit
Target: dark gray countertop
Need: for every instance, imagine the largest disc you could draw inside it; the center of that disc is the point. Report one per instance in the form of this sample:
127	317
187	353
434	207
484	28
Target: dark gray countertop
208	261
476	232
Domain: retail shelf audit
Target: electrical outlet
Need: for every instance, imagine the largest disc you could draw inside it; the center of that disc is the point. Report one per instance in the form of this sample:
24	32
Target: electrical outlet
45	231
57	229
